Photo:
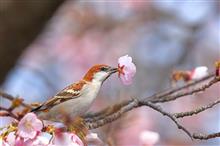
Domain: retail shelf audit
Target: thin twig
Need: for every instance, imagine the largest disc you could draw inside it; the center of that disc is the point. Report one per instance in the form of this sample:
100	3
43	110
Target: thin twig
114	112
171	91
185	93
160	110
114	116
134	104
197	110
11	98
97	120
157	98
106	112
7	113
205	137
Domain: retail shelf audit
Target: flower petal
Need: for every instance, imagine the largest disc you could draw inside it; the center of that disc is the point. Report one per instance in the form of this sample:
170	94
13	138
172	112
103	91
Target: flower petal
29	125
67	139
128	69
38	125
199	72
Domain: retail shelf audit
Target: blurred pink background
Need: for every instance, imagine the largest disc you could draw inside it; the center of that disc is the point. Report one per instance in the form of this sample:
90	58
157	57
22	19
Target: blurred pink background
159	35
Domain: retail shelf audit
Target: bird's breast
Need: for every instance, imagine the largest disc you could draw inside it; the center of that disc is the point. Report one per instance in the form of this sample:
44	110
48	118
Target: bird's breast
76	106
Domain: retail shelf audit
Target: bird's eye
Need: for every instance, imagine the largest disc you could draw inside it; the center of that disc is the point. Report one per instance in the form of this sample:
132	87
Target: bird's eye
103	68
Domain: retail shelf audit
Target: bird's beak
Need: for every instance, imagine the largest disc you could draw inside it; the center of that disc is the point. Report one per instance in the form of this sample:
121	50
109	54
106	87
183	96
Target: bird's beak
113	70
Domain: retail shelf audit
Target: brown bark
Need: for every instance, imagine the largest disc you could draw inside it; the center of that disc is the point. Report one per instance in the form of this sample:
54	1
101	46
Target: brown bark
20	23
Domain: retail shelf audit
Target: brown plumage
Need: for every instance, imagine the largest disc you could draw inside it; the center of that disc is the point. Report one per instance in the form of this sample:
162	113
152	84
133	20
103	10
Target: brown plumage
90	74
75	99
70	92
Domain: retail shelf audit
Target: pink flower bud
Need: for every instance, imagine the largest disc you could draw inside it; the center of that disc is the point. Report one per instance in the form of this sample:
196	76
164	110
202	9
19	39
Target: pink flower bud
127	69
199	72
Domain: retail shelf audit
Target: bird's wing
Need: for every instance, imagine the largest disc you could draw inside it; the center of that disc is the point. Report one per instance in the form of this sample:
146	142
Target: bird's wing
70	92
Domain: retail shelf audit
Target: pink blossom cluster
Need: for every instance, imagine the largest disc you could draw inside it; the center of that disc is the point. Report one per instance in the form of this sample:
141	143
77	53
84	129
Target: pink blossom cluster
29	133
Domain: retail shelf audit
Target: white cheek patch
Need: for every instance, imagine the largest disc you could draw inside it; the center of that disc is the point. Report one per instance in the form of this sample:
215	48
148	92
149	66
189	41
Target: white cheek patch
100	76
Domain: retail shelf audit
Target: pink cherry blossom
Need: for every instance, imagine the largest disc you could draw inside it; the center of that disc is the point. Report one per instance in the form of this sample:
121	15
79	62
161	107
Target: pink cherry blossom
41	140
148	138
127	69
199	72
29	126
67	139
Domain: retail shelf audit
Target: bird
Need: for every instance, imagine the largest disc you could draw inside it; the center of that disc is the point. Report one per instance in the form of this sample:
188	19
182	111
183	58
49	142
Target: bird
74	100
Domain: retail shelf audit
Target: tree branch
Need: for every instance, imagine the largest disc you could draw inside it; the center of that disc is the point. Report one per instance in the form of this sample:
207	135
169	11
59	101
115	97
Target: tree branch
110	114
89	117
4	112
185	93
197	110
114	112
11	98
205	137
160	110
177	89
92	124
156	98
135	103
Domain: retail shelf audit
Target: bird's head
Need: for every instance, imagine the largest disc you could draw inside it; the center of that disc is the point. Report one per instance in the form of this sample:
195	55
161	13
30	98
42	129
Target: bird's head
99	73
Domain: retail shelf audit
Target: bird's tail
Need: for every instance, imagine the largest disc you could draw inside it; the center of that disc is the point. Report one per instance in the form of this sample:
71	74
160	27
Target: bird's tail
37	109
